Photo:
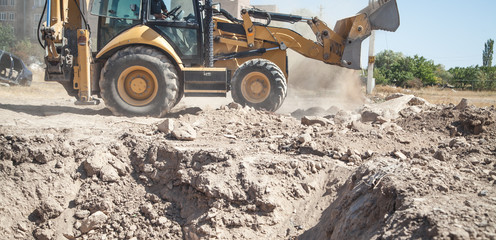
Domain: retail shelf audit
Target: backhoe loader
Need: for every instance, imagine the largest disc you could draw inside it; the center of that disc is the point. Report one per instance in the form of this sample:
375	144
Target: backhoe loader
143	66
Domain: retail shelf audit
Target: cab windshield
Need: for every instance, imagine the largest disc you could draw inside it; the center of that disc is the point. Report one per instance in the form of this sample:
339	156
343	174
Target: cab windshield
123	9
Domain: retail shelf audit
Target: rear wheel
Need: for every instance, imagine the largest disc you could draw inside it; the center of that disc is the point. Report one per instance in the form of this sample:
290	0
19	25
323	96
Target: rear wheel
139	81
259	83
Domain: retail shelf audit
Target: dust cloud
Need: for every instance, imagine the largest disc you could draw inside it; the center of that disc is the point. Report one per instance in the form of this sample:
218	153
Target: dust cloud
314	84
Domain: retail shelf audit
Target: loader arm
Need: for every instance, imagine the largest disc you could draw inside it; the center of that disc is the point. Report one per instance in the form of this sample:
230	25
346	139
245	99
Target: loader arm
341	46
66	36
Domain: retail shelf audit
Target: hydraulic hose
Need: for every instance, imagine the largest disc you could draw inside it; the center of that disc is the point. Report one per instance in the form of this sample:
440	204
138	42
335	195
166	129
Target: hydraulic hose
48	20
39	25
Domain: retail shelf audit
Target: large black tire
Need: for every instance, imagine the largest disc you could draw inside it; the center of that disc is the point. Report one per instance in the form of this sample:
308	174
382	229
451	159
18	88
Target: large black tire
139	81
260	84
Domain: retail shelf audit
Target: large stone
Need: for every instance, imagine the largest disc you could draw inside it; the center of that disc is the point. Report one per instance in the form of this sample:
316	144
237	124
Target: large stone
49	209
167	126
305	138
109	173
360	127
442	155
391	109
462	105
94	221
416	101
312	120
394	95
234	105
94	164
43	234
149	211
184	132
400	155
370	115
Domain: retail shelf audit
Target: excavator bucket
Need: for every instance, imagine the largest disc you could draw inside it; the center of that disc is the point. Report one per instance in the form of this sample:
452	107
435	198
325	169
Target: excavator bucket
383	15
379	15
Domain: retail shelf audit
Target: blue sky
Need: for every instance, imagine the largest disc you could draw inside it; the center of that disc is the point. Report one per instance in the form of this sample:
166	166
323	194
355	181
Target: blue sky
451	33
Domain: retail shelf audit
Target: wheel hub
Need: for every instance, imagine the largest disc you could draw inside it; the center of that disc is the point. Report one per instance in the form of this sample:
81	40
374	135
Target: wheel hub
137	85
255	87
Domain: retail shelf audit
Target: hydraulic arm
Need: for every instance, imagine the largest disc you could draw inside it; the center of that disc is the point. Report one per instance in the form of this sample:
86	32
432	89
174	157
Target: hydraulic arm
341	46
66	37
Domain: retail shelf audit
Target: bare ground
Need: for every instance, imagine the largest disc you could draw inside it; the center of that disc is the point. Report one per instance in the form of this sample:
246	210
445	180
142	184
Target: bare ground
420	171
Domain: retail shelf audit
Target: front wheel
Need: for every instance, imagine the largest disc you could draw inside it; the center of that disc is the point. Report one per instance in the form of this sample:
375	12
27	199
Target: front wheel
260	84
139	81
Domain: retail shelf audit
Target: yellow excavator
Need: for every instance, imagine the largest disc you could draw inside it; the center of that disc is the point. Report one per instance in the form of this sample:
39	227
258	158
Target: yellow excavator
143	65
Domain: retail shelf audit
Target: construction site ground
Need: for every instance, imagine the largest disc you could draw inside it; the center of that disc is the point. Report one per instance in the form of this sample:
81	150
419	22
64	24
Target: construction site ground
386	167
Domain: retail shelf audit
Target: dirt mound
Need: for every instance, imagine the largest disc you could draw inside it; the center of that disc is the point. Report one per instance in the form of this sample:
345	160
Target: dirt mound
397	170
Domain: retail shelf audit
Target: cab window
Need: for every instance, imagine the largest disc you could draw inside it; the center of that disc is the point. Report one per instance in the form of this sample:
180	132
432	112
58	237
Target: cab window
123	9
179	11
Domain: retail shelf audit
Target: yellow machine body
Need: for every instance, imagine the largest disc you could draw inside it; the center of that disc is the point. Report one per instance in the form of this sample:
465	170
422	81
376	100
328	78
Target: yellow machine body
144	66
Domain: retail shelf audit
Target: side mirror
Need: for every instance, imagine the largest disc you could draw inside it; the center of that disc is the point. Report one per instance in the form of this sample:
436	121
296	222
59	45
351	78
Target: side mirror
216	7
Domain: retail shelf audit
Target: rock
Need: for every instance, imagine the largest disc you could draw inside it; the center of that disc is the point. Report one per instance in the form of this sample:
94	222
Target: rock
163	221
22	226
483	193
94	221
389	110
49	209
368	154
304	138
354	158
266	205
459	234
109	173
360	127
308	121
234	105
462	105
369	116
43	234
416	101
94	164
410	111
441	155
458	142
122	168
82	214
149	211
394	95
346	117
166	126
184	132
400	155
391	127
380	120
273	147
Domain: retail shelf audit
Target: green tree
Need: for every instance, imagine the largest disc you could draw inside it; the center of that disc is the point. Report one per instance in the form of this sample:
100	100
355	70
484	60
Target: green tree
487	54
417	71
7	38
424	70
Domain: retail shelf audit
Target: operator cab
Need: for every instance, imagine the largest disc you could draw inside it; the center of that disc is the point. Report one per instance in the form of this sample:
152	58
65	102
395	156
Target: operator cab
181	28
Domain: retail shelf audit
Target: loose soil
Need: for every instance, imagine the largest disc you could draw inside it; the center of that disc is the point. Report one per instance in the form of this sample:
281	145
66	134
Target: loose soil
77	172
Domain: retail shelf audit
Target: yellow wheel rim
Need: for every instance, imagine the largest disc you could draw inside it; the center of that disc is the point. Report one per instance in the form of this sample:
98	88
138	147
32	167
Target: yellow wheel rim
255	87
137	86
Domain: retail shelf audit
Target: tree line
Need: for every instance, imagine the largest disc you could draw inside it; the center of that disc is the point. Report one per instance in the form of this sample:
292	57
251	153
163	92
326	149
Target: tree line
394	68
